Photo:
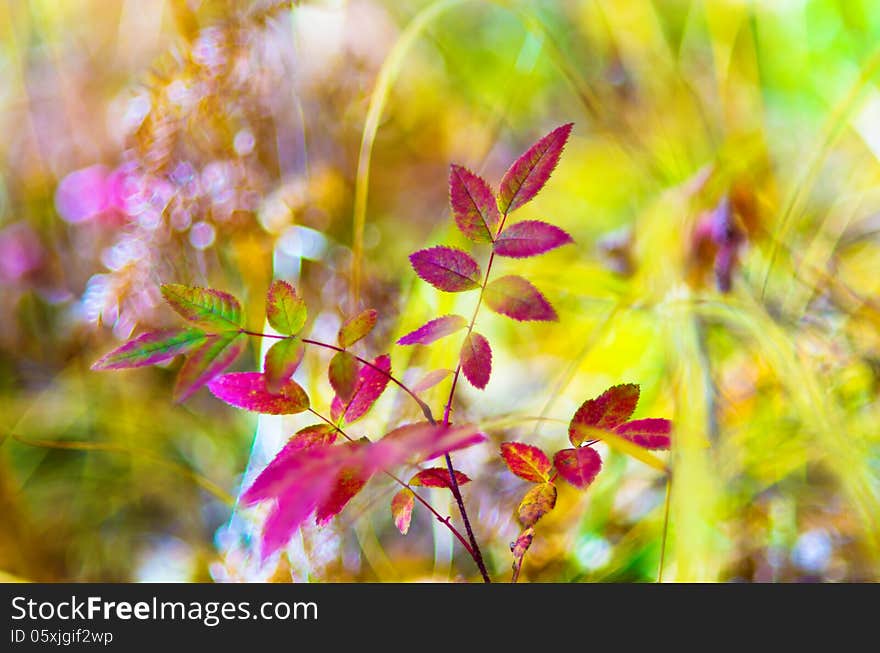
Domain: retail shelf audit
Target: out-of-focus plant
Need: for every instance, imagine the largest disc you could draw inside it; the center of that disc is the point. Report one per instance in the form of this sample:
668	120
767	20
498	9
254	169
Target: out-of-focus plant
310	475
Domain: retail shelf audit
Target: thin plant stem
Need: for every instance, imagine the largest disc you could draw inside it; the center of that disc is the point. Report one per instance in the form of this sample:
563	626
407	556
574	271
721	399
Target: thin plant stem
402	483
456	491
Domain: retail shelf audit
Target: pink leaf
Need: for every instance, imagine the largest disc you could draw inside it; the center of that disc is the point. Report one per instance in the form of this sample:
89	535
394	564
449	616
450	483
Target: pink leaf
306	479
422	441
248	390
518	299
370	385
607	411
530	172
282	360
526	461
473	205
530	238
281	470
446	268
401	509
578	466
434	330
212	309
151	349
357	327
342	373
438	477
430	380
212	357
285	311
476	360
288	515
651	433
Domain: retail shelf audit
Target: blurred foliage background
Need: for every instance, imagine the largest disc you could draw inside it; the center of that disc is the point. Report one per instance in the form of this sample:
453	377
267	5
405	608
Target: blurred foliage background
722	185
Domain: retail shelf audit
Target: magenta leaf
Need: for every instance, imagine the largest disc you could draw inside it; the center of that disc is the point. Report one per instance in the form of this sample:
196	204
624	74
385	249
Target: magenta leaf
210	359
578	466
151	349
607	411
422	441
530	238
434	330
248	390
357	327
518	299
473	205
476	360
282	360
212	309
343	373
650	433
307	479
401	509
438	477
285	311
526	461
530	172
430	380
370	385
446	268
278	473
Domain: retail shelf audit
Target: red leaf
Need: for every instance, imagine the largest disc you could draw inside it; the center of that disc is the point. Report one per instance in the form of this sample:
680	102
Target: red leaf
530	238
518	299
282	360
302	480
526	461
473	205
651	433
519	548
607	411
530	172
370	385
285	310
578	466
348	483
401	509
343	374
430	380
357	327
434	330
446	268
476	360
422	441
248	390
438	477
151	349
537	502
216	354
207	307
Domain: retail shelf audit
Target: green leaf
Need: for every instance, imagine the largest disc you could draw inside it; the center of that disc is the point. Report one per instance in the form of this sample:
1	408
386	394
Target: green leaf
216	354
282	360
357	327
285	310
343	373
212	309
151	349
